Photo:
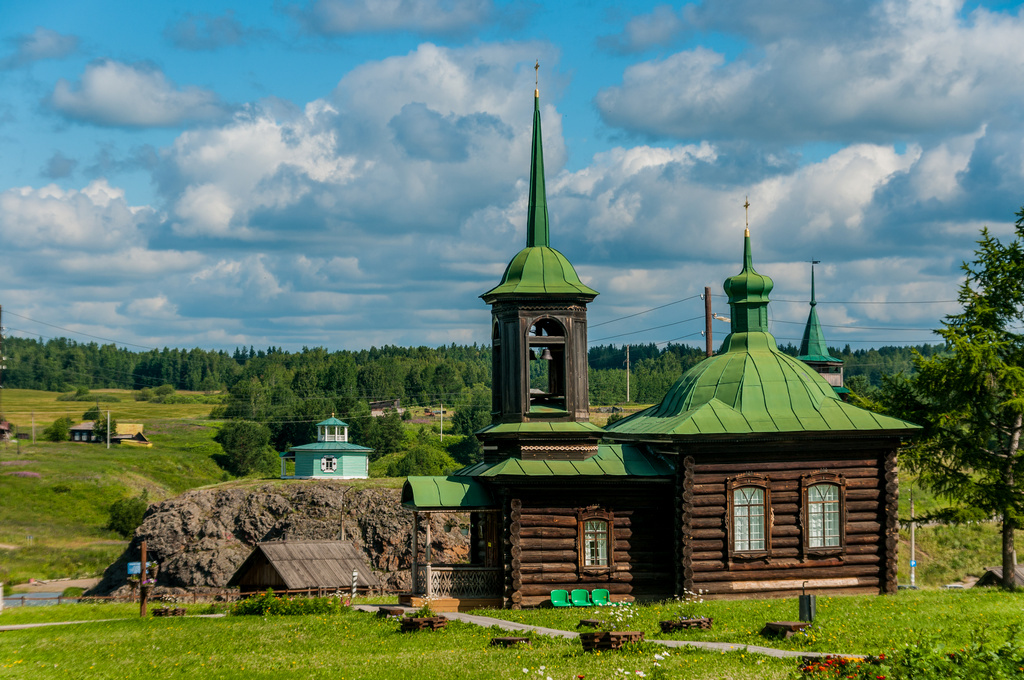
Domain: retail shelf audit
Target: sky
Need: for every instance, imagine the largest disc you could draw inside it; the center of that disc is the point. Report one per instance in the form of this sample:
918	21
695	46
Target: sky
354	173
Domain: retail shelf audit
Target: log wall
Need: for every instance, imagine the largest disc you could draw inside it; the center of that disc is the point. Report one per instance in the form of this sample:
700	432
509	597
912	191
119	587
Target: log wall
544	543
866	564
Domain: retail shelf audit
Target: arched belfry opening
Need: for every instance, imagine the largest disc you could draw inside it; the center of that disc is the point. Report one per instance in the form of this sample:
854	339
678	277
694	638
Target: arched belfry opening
545	343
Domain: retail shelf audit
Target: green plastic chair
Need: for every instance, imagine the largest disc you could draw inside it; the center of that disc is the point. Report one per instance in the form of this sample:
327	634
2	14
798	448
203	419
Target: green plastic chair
581	598
560	598
600	597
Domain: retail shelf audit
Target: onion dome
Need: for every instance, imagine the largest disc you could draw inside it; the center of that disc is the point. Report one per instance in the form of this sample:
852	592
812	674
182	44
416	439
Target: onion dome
750	386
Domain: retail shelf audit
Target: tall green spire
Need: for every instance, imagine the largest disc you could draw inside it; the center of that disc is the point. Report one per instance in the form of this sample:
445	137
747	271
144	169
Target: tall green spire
748	295
537	230
813	346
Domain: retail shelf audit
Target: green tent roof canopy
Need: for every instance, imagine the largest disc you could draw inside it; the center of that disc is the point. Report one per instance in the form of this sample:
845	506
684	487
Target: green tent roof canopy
332	421
813	346
538	269
750	386
445	493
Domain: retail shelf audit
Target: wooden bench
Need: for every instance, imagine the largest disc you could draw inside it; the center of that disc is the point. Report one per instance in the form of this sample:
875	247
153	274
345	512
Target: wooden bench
509	641
385	610
783	629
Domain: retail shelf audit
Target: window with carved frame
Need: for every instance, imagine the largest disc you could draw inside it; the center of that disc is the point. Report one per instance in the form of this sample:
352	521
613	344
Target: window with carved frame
595	539
749	516
823	503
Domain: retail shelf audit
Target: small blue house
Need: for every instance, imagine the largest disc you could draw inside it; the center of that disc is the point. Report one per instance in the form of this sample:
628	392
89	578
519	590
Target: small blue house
331	456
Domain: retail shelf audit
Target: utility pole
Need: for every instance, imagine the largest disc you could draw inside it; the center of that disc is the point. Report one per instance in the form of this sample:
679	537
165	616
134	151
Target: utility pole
913	527
33	427
627	374
707	319
108	429
442	422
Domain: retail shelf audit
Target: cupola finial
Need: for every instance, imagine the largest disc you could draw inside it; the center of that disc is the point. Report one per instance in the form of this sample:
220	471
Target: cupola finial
746	215
536	80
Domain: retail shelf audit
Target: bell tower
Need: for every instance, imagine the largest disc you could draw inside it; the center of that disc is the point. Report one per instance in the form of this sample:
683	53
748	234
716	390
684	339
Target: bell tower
539	343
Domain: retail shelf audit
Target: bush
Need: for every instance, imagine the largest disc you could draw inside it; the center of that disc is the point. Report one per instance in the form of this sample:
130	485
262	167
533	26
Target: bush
422	460
269	604
980	659
247	448
126	514
145	394
59	430
92	414
164	391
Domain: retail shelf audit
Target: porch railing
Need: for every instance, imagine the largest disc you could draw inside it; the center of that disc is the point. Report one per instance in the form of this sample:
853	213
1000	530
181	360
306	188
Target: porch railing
458	580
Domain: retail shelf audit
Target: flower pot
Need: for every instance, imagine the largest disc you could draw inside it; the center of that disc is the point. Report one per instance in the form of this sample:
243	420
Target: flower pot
683	624
614	639
414	623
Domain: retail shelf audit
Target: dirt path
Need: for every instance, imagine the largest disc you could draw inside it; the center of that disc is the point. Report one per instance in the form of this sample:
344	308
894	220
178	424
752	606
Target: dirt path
55	585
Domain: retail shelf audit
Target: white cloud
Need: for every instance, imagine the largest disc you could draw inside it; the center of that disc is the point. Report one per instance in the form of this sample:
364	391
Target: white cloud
344	17
115	94
206	32
158	307
918	66
42	43
95	218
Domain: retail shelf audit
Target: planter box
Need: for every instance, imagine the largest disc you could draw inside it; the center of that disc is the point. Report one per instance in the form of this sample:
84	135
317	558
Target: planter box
609	639
383	611
684	624
412	623
169	611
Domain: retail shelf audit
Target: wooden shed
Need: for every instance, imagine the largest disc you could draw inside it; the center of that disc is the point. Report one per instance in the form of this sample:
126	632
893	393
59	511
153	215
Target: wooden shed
993	576
304	565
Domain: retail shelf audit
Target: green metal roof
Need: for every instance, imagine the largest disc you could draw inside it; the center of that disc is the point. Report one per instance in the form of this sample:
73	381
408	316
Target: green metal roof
445	493
332	421
750	386
539	269
542	428
813	346
611	460
345	447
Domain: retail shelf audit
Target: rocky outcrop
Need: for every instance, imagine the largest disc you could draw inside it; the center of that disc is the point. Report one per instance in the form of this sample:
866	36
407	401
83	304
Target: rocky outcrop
201	537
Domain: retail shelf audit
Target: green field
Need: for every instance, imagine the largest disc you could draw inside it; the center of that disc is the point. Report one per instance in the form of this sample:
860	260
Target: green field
21	407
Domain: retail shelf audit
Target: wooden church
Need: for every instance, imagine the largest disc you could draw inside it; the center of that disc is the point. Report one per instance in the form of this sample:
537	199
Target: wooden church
751	478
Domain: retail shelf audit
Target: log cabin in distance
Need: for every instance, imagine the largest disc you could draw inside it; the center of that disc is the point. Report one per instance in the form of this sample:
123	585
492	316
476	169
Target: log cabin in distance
751	478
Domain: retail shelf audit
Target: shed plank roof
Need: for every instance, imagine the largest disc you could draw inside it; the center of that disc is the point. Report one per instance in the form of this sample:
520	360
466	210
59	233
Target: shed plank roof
312	564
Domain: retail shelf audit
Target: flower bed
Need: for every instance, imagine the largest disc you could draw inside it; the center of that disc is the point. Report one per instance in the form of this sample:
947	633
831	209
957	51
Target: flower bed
614	639
701	622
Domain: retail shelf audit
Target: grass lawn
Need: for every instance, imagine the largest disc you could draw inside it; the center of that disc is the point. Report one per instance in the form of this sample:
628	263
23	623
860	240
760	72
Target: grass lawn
863	624
348	645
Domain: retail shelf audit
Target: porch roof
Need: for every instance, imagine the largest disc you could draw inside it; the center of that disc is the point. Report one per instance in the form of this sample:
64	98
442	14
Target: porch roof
445	493
611	460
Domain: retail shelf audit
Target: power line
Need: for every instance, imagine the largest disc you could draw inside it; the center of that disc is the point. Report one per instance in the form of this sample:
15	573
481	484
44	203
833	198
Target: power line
95	337
652	309
644	330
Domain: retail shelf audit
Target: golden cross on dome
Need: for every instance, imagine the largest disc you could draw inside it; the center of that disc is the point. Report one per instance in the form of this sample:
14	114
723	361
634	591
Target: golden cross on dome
746	210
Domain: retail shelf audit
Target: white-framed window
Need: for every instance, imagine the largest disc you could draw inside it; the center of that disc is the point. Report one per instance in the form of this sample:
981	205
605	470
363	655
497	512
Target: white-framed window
595	539
328	464
823	529
595	543
748	519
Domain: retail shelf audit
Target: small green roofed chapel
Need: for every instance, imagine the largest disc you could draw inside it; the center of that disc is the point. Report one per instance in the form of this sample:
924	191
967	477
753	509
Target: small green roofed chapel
331	456
751	386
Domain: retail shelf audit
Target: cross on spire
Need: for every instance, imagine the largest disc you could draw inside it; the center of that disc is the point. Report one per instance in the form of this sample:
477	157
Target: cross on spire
746	214
536	79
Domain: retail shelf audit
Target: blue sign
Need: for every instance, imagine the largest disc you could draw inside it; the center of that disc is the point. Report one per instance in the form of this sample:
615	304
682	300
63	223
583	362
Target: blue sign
134	568
913	563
